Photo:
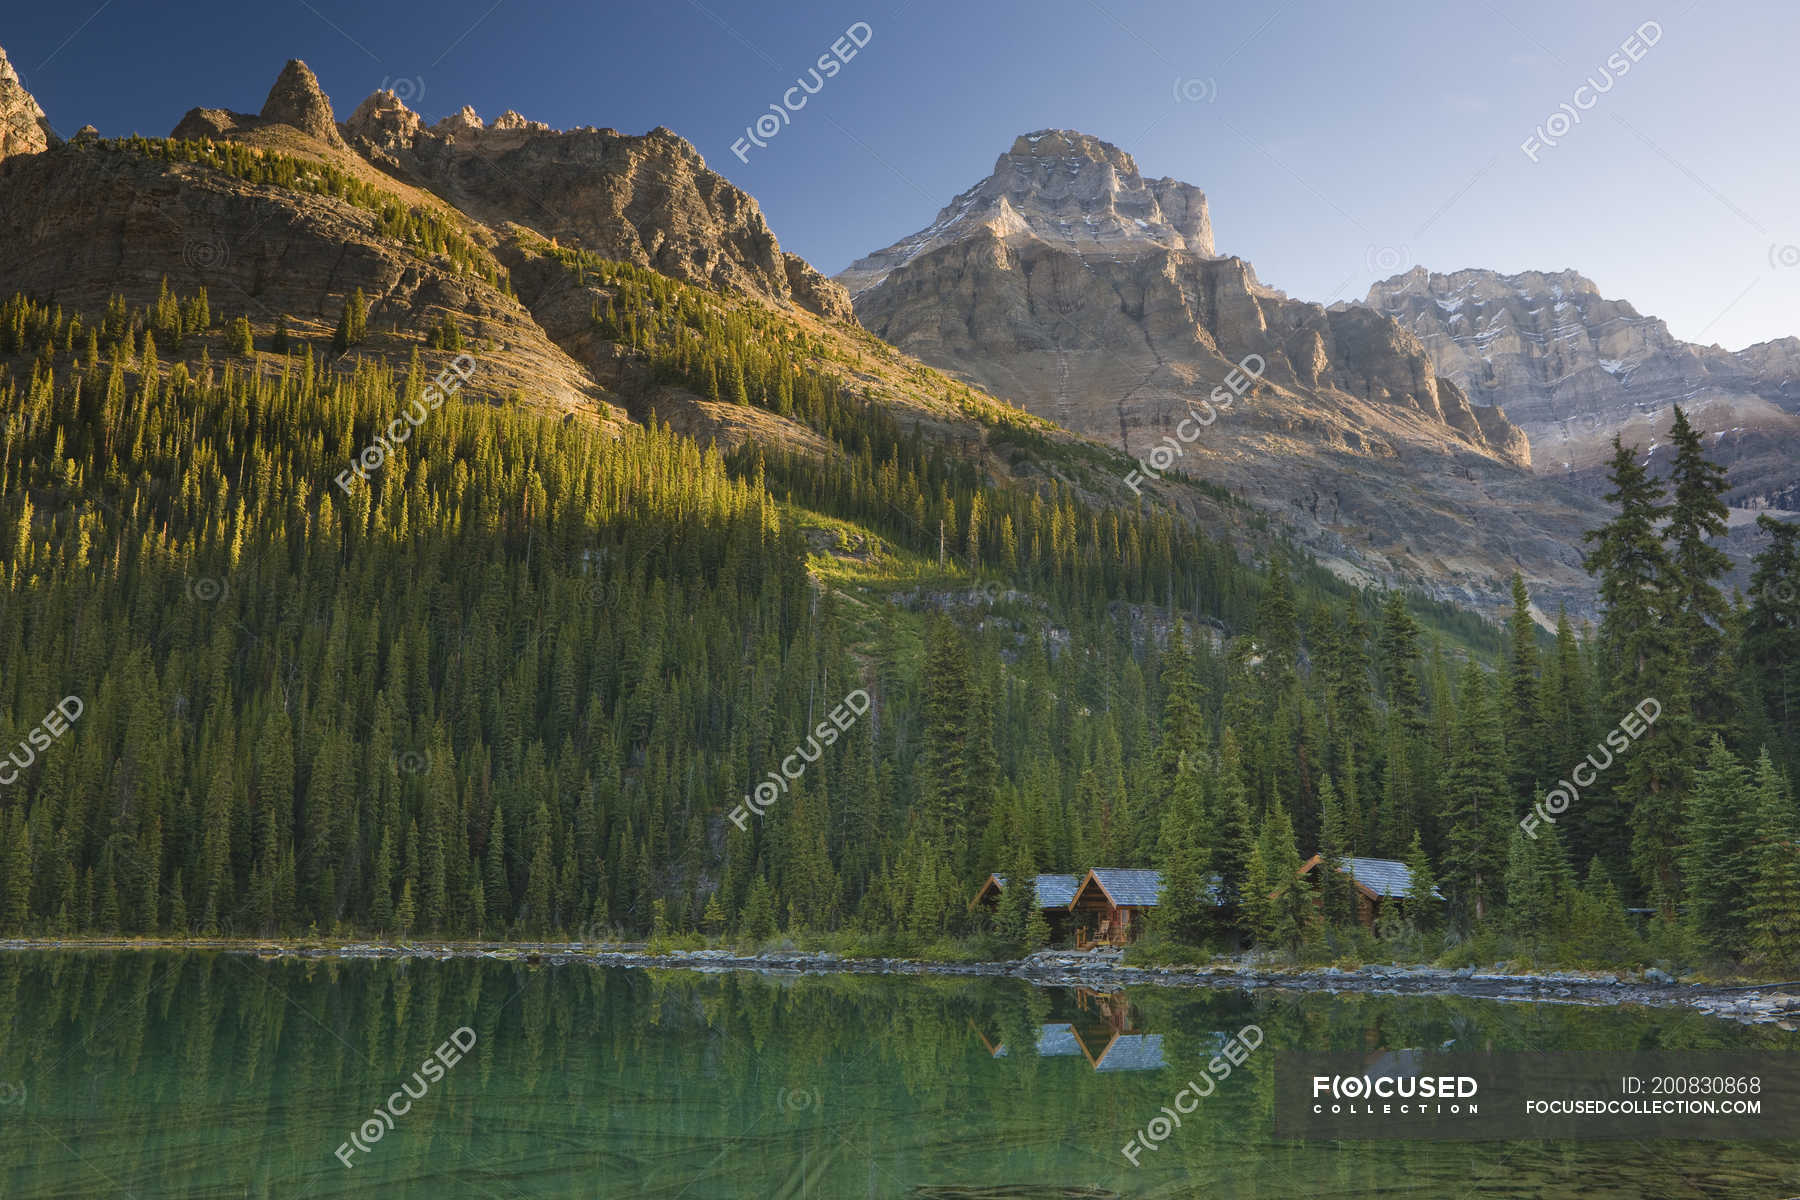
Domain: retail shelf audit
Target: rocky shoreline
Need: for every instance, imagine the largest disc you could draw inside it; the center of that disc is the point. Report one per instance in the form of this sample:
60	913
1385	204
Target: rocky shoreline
1765	1004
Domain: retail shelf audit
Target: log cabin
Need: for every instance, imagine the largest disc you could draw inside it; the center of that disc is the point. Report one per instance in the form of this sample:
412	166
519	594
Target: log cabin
1378	881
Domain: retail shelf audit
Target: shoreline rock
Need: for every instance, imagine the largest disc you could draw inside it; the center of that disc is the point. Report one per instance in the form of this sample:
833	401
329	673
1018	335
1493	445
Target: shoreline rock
1773	1004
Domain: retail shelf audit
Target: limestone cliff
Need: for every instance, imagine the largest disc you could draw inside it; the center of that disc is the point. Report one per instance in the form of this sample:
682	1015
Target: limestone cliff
1068	283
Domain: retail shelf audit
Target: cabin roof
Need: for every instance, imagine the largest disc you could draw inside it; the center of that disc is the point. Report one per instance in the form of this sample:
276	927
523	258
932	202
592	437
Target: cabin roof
1132	1052
1382	878
1130	887
1053	891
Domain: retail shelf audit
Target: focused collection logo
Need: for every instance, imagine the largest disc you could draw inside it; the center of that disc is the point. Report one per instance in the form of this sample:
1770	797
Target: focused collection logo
1395	1095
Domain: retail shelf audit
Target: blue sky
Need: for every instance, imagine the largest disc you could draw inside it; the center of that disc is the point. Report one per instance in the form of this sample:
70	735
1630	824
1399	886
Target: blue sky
1336	143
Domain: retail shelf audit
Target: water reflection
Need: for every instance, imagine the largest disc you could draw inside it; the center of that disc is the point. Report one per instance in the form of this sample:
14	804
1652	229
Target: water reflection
163	1075
1103	1033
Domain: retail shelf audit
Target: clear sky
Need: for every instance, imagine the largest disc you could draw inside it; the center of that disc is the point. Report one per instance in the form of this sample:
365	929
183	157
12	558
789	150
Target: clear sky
1337	143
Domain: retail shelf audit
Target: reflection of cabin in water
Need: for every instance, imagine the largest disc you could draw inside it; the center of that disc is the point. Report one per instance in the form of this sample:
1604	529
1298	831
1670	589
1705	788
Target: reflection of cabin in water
1377	881
1053	895
1101	1033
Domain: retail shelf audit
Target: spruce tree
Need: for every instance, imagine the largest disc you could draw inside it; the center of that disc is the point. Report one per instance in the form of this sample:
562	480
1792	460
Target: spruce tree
1525	740
1717	841
1772	913
1639	635
1337	893
1600	933
1422	905
238	338
1183	910
1478	807
1771	645
1697	521
1018	899
1281	909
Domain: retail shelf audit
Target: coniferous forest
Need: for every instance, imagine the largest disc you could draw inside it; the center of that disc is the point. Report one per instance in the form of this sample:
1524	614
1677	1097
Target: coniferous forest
512	684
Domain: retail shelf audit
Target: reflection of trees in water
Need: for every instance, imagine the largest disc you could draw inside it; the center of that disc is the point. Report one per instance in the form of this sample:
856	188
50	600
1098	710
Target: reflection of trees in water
202	1073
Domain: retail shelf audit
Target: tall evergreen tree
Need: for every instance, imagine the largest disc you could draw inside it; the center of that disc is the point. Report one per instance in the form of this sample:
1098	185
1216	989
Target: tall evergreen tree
1638	633
1478	809
1697	521
1525	741
1717	841
1773	911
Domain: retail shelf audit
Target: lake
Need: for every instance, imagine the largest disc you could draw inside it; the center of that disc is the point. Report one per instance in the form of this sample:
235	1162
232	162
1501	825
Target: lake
161	1074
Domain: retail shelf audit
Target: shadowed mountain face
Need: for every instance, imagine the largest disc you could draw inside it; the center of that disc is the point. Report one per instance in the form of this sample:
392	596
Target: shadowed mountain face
1574	368
1068	283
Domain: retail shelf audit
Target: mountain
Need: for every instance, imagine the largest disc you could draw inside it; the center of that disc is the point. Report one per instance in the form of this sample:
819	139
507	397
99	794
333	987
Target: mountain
23	127
1068	283
1573	368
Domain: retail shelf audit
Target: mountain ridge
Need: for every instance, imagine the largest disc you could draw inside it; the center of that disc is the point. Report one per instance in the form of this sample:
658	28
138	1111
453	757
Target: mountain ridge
1575	368
1053	283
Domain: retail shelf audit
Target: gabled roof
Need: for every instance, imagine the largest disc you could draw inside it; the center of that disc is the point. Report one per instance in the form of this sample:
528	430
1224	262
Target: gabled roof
1053	891
1379	878
1132	1052
1134	888
1053	1041
1124	886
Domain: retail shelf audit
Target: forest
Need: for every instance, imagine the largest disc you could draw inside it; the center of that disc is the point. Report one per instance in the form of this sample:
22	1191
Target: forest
512	687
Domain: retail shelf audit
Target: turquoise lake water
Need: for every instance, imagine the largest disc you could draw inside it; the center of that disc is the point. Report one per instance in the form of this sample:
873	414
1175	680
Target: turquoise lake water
213	1075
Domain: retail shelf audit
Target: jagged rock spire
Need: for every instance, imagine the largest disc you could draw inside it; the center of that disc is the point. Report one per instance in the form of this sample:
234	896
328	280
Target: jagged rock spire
23	127
297	100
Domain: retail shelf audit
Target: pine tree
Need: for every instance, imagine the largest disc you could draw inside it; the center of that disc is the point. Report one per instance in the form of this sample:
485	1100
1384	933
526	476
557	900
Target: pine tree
1337	892
1184	911
1278	623
1717	842
238	338
1524	729
712	920
1697	519
1600	933
15	873
1477	803
757	922
1280	904
1638	632
1018	899
1772	914
1422	904
1771	644
352	324
1228	826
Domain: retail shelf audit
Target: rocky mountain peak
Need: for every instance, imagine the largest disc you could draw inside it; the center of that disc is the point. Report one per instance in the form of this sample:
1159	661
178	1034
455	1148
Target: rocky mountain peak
23	127
382	121
1066	188
297	100
1483	285
1065	147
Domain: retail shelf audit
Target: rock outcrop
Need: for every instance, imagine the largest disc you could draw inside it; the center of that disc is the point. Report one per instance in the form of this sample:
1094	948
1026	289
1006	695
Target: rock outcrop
82	222
296	100
23	127
1073	286
1573	368
648	200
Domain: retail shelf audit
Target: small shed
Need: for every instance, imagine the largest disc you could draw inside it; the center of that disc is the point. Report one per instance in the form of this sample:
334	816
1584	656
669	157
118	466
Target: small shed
1377	881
